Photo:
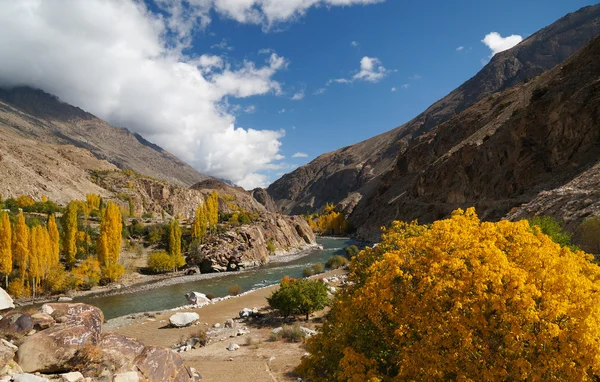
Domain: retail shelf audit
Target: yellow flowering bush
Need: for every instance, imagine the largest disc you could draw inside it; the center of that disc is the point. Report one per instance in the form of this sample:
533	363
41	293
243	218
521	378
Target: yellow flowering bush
462	299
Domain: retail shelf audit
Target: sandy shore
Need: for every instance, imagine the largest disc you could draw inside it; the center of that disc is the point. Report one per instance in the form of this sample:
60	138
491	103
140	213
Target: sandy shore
138	282
266	361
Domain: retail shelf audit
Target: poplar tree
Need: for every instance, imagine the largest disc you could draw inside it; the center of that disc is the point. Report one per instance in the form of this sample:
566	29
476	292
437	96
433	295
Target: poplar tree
109	241
69	240
212	210
54	238
199	228
21	245
36	256
175	244
6	253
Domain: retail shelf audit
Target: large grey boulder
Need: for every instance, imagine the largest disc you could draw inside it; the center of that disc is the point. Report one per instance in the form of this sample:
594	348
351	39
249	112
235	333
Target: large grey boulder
50	350
182	319
158	364
6	302
197	298
16	323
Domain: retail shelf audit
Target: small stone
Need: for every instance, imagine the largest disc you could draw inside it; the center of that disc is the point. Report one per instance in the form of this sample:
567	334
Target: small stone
32	332
277	330
9	345
233	346
73	376
130	376
28	378
272	358
230	359
217	325
229	323
182	319
65	299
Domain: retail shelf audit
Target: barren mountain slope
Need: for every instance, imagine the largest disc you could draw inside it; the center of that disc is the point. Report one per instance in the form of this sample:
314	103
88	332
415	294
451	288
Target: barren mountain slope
353	170
499	153
40	116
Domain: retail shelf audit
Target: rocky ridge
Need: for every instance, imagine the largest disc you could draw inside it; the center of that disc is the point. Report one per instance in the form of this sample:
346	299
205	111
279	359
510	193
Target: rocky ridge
349	174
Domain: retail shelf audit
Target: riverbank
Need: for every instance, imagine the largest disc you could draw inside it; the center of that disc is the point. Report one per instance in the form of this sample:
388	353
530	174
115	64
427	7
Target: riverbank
136	282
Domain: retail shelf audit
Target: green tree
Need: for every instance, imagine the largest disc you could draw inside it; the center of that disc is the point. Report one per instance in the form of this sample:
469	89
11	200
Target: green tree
588	234
160	262
302	296
553	228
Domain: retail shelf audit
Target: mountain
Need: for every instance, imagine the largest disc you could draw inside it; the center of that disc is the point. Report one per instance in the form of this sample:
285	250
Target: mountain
35	115
347	175
536	144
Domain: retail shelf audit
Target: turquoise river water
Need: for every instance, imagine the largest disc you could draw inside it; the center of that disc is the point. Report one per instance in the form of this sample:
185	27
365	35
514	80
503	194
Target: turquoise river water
171	296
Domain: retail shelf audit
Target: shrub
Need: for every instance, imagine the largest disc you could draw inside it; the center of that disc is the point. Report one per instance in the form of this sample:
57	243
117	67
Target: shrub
292	333
588	234
351	251
308	271
147	215
17	288
336	262
271	247
302	296
553	228
527	306
160	262
253	342
58	280
112	272
317	268
87	274
234	290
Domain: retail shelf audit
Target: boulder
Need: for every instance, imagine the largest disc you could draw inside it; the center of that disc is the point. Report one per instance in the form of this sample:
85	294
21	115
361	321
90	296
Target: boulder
28	378
64	299
51	349
307	332
7	353
130	376
233	347
158	364
230	323
248	312
6	302
277	330
197	298
42	321
16	323
120	351
181	319
73	376
217	325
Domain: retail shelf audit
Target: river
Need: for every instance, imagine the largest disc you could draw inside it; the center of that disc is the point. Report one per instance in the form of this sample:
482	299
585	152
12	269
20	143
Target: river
172	296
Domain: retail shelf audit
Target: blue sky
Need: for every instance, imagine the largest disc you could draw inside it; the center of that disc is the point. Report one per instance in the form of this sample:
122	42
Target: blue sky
213	81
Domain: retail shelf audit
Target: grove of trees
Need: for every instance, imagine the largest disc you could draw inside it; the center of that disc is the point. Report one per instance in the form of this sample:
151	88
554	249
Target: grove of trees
462	299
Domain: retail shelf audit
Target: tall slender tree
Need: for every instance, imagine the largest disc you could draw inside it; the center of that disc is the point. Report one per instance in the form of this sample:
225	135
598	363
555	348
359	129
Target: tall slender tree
175	244
21	245
6	253
212	210
54	241
200	222
109	241
70	229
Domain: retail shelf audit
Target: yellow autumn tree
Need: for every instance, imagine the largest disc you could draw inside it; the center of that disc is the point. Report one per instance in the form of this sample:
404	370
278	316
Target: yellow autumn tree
38	250
6	253
93	201
466	300
200	222
25	201
54	241
175	244
69	233
21	245
109	241
212	210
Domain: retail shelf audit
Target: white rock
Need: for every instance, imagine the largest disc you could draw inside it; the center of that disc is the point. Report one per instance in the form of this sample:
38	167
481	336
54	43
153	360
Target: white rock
182	319
130	376
229	323
46	309
9	345
272	358
28	378
6	302
248	312
325	280
307	332
64	299
217	325
277	330
242	332
73	376
331	289
233	346
334	280
197	298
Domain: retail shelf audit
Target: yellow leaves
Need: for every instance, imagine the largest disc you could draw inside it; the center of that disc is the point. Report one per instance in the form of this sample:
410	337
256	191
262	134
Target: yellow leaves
93	201
25	201
463	299
110	239
6	255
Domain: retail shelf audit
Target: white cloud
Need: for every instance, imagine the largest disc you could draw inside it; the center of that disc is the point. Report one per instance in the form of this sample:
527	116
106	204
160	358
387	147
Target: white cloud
394	89
223	45
281	111
300	155
124	64
266	51
415	77
371	70
460	48
250	109
354	44
298	96
405	86
497	43
320	91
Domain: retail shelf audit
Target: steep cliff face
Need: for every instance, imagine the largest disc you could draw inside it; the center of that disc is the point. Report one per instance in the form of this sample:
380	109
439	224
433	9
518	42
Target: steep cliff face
499	153
357	169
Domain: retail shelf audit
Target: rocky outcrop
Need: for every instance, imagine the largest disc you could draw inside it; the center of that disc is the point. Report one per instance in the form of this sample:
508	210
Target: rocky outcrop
252	245
50	350
120	351
500	153
359	168
262	196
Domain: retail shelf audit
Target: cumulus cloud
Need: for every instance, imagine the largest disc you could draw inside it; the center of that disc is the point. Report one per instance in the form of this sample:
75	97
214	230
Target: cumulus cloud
250	109
460	48
405	86
320	91
394	89
371	70
223	45
300	155
497	43
354	44
123	63
298	96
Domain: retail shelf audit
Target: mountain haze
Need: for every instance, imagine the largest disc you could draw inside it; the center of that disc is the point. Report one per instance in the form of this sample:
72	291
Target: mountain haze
349	174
